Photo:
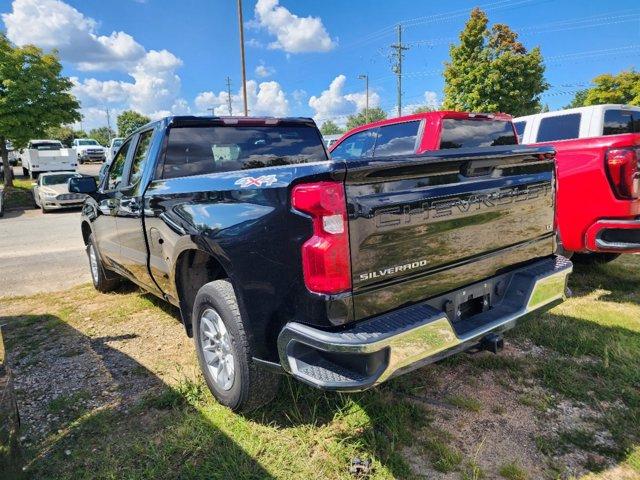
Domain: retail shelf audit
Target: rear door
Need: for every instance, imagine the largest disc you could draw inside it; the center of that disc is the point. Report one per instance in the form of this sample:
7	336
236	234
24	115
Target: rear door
424	225
129	218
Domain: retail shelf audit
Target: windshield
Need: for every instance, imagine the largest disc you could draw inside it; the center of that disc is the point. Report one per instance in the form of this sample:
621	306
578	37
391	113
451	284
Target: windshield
87	142
200	150
457	133
46	146
57	179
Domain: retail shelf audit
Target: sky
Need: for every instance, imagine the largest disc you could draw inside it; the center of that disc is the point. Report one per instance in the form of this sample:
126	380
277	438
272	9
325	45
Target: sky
303	58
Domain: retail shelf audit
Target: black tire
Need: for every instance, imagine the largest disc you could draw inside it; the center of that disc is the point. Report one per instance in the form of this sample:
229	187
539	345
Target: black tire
594	258
252	386
44	210
103	280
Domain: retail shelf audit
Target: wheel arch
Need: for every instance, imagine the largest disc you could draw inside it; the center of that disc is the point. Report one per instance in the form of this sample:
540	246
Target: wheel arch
193	269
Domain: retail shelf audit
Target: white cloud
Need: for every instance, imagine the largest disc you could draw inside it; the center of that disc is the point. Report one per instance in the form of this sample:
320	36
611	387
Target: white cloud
294	34
430	100
264	71
254	43
266	98
334	104
52	24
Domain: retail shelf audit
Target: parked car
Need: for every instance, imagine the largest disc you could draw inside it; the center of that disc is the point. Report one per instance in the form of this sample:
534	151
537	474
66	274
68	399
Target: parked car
341	273
330	139
13	159
424	132
598	151
46	156
89	150
51	192
113	148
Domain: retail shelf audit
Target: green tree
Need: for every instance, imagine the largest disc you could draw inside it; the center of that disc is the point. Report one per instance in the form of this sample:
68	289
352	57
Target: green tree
578	99
102	135
362	118
63	133
422	109
129	121
330	128
491	71
33	97
621	88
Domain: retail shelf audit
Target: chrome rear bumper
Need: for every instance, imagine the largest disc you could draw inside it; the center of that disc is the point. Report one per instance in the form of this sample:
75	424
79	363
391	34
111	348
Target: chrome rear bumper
376	349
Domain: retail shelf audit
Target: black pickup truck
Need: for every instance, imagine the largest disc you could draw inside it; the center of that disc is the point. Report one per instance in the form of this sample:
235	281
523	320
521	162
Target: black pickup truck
341	273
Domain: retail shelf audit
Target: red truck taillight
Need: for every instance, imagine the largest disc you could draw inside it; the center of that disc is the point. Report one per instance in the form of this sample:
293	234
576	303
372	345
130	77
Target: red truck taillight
622	166
325	256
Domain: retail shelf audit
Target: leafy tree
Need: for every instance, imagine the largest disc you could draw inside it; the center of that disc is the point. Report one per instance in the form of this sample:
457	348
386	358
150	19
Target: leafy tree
362	118
621	88
491	71
65	134
422	109
102	135
33	96
578	99
129	121
330	128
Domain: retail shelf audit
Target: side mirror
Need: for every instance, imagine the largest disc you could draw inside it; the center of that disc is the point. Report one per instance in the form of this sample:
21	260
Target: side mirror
86	185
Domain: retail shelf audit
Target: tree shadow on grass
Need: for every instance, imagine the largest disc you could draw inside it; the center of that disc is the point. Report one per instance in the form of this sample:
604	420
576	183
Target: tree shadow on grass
619	278
106	415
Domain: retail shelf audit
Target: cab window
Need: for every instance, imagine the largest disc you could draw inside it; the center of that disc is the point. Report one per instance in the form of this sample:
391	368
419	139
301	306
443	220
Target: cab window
397	139
617	122
358	145
117	167
559	127
140	157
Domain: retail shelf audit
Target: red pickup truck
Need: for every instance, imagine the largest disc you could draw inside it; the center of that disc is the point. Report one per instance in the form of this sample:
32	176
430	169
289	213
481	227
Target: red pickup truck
598	155
419	133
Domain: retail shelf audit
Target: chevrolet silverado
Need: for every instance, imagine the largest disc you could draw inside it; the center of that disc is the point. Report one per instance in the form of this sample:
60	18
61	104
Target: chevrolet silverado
340	272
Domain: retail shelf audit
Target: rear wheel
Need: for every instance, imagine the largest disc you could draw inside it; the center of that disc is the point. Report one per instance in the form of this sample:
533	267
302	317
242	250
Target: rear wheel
225	352
594	258
103	280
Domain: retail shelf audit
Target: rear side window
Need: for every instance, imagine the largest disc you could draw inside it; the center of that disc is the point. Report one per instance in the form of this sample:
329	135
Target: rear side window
560	127
210	149
397	139
617	122
358	145
463	133
520	126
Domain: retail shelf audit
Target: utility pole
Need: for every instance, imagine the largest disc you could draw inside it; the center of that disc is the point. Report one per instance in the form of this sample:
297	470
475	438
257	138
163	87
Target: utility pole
398	53
366	108
108	125
244	71
229	96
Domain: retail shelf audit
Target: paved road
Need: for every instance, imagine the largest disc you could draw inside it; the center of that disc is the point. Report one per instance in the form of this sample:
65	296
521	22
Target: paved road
40	253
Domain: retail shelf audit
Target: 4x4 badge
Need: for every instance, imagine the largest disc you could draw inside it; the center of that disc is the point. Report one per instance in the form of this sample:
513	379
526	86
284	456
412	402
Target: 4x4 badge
246	182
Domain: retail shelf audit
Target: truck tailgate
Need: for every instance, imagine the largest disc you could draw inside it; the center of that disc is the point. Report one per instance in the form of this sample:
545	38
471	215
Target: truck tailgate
426	224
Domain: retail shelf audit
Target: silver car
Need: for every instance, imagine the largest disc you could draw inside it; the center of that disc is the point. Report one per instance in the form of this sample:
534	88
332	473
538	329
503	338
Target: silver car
51	191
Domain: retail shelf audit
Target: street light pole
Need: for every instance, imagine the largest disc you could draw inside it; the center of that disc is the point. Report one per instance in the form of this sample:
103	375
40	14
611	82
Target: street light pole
244	71
365	77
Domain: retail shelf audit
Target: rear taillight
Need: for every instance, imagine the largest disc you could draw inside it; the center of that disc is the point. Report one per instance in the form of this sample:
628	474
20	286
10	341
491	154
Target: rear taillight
622	167
325	256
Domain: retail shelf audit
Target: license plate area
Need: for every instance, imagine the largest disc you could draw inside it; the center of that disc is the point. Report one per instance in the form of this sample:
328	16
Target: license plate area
469	302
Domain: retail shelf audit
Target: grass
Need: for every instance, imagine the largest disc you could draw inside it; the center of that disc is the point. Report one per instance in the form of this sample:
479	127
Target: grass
19	196
174	429
512	471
